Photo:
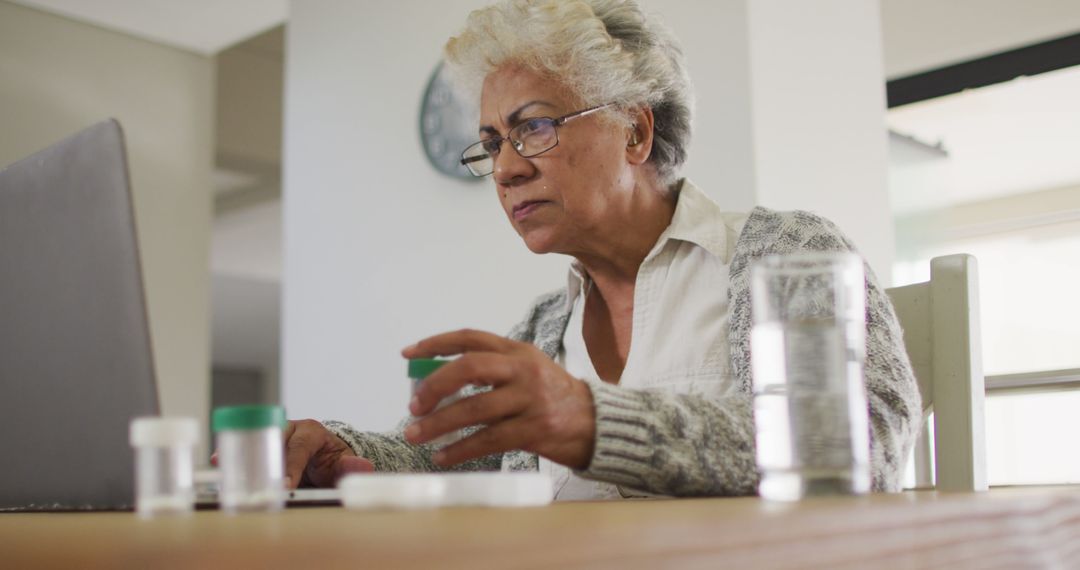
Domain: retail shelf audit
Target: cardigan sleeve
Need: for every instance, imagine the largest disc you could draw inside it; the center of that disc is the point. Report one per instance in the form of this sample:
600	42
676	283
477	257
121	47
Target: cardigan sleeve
672	444
390	452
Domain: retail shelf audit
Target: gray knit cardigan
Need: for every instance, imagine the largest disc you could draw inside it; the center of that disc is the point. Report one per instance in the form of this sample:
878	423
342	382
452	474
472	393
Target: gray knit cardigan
681	445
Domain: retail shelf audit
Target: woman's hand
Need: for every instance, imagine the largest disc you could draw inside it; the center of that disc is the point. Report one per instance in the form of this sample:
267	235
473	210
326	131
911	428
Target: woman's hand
534	405
315	457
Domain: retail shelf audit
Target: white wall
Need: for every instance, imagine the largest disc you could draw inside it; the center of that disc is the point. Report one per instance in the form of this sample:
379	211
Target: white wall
58	76
818	108
790	110
716	42
381	251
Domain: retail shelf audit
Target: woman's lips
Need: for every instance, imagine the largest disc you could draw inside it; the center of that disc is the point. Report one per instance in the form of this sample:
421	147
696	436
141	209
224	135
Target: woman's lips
525	208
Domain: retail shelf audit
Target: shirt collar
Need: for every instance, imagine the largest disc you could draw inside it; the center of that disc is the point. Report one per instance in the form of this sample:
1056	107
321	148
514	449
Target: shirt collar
697	220
576	282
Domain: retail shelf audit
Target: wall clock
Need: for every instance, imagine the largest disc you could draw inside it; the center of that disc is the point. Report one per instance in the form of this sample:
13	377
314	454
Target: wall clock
448	124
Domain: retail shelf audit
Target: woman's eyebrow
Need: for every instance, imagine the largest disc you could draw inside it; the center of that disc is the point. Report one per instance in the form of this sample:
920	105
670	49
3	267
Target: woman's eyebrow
514	117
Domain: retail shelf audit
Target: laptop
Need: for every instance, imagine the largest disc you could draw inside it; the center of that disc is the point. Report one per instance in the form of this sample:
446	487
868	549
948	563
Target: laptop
75	358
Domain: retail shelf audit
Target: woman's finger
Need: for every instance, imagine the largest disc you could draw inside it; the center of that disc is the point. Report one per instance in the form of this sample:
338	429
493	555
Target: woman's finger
457	342
479	368
485	408
301	444
514	433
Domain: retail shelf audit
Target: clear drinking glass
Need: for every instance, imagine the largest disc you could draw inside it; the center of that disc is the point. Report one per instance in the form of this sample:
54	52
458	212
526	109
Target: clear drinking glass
807	349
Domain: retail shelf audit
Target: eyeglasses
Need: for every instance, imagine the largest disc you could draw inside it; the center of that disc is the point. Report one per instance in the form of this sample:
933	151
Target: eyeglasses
529	138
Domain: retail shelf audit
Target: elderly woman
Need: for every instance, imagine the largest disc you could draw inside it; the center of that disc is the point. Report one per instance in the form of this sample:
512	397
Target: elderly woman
634	378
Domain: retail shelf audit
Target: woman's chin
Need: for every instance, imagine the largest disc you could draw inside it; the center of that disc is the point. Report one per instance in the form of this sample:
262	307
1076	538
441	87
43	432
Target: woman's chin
538	241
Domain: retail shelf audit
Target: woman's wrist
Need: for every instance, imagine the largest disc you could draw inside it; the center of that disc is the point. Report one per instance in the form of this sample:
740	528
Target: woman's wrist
586	429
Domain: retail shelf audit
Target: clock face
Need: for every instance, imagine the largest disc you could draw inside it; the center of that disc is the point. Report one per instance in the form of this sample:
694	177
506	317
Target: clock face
447	125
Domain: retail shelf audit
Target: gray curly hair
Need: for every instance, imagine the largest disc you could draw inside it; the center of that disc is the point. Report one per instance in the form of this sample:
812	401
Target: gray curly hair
603	51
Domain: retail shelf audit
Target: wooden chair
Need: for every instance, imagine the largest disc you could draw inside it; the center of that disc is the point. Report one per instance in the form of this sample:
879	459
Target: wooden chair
940	319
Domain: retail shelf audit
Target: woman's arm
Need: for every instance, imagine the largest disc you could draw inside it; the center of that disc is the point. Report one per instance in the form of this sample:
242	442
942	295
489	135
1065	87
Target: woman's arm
672	444
390	452
543	326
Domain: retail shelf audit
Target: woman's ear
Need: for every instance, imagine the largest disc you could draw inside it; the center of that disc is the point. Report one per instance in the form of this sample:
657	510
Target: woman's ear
639	137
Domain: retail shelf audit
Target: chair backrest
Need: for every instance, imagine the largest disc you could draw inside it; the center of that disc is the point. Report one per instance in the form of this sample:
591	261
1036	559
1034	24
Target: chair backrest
940	319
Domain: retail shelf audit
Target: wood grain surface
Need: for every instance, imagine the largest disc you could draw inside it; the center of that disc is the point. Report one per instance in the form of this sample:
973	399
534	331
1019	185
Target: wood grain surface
1000	529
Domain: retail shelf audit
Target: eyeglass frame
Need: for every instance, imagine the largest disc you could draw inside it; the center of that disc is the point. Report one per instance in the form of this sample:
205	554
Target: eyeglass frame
499	139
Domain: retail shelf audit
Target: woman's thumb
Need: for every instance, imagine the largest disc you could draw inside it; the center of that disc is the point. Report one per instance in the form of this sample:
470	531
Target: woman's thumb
347	464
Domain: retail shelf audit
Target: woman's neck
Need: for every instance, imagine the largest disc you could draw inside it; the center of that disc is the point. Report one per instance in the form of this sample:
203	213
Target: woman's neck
613	264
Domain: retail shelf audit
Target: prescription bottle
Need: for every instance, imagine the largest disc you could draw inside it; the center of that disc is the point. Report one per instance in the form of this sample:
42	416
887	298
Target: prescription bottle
251	457
164	465
419	370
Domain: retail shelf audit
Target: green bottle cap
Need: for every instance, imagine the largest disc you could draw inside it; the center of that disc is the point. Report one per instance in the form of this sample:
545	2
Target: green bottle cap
420	368
248	417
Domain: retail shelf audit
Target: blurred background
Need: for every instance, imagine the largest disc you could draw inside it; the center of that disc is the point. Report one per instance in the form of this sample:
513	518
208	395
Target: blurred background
295	233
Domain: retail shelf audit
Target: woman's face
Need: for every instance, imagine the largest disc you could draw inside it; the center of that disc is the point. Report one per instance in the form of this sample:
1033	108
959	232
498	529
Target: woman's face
570	197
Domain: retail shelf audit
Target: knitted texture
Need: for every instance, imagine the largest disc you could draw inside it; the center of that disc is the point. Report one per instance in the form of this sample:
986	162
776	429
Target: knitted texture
656	442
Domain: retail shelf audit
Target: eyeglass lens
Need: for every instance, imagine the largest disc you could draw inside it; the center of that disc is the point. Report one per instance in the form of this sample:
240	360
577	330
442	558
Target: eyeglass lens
530	138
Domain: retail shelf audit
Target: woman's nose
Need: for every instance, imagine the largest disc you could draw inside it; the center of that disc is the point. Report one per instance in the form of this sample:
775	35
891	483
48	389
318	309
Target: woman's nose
510	167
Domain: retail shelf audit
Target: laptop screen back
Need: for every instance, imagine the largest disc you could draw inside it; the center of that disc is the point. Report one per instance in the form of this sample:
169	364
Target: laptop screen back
75	358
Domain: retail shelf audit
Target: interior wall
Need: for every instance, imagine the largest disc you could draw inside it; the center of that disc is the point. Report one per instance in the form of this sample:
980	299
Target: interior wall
250	88
58	76
765	133
715	38
818	108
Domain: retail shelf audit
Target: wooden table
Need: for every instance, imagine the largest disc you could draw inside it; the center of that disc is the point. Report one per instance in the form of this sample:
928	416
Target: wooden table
1001	529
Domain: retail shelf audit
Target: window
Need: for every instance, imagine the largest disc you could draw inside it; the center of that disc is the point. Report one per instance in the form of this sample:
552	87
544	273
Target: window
995	172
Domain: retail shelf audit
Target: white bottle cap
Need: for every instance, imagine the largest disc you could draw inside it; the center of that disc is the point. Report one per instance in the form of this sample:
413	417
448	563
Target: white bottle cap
392	491
164	432
497	489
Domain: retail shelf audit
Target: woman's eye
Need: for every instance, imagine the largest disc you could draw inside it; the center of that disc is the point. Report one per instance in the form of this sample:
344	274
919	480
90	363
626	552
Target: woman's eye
532	125
491	146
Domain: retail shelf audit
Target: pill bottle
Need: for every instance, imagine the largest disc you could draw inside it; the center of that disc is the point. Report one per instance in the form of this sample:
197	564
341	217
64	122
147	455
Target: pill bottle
164	465
419	370
251	457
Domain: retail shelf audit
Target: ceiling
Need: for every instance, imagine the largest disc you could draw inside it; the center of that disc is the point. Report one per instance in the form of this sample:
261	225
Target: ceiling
920	35
201	26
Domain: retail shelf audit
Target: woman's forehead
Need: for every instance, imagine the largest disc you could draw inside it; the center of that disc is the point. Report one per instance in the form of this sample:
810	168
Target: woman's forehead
509	90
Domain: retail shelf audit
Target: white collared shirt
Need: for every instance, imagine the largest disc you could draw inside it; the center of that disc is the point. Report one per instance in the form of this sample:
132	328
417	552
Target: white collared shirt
679	341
